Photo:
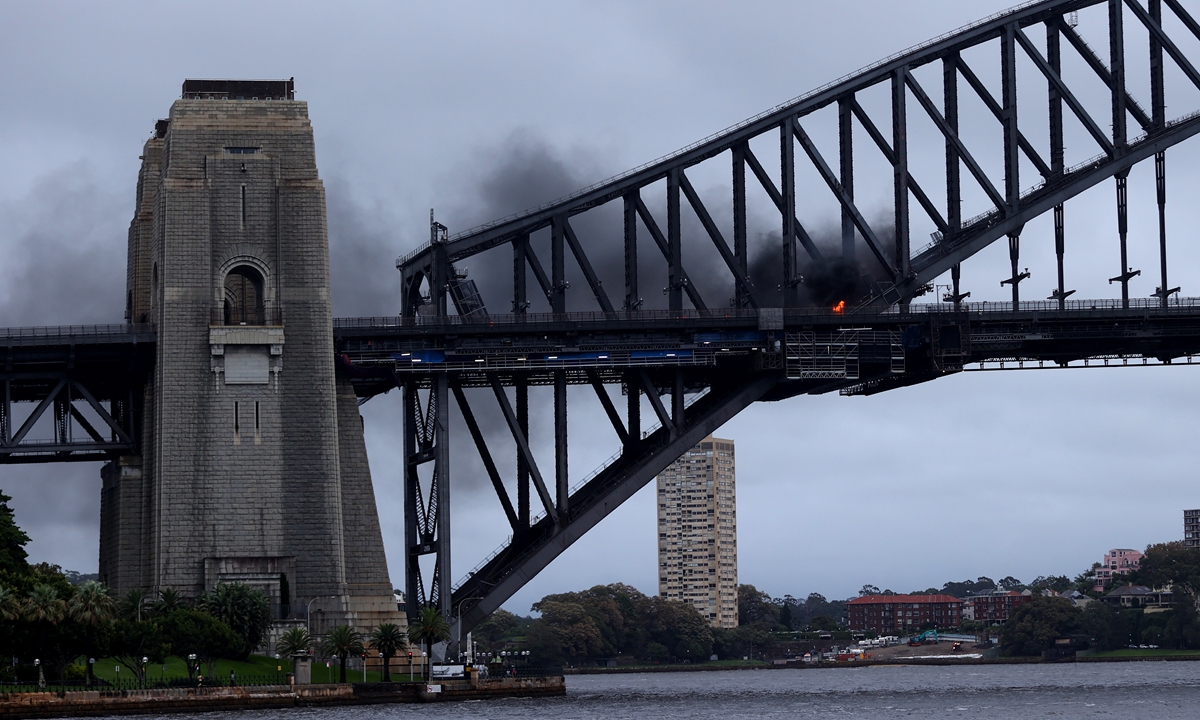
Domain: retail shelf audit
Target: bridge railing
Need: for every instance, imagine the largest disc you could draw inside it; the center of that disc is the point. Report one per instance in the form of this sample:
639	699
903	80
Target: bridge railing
647	316
1174	304
52	331
658	317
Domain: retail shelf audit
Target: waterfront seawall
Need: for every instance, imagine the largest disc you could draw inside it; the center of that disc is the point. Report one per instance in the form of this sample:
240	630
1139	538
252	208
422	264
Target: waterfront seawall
174	700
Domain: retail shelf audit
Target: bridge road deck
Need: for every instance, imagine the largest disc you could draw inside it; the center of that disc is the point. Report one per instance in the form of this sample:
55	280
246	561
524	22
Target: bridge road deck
933	340
808	350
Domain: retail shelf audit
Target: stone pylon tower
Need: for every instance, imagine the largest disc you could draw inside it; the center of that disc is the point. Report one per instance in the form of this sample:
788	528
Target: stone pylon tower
253	466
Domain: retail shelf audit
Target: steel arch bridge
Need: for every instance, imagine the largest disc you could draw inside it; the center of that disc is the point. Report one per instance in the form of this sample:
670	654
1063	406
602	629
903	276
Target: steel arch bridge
752	321
696	363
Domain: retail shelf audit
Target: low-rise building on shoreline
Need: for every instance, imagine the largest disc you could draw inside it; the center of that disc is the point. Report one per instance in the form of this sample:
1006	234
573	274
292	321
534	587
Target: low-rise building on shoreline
996	607
903	613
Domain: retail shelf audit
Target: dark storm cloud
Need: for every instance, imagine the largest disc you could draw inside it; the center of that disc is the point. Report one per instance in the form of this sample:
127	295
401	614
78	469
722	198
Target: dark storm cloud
362	253
527	170
64	263
520	173
64	252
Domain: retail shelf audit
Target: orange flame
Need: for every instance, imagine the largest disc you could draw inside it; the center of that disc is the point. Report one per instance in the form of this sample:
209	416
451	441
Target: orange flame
840	306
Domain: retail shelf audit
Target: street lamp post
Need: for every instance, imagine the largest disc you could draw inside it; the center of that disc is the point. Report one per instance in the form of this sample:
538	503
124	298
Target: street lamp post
308	609
458	625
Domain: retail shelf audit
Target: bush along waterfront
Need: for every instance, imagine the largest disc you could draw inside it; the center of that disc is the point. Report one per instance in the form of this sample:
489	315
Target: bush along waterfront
54	629
1048	623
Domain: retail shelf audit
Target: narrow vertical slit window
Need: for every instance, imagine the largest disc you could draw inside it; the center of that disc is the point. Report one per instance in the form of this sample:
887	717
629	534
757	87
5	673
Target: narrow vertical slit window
243	207
237	422
257	423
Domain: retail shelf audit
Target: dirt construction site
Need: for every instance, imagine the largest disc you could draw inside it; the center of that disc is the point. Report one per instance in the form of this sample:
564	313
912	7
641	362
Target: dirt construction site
939	650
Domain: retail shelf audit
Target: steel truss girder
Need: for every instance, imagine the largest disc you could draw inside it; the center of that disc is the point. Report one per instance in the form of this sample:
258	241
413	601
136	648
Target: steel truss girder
1036	334
501	232
427	526
904	274
62	394
526	556
880	361
938	258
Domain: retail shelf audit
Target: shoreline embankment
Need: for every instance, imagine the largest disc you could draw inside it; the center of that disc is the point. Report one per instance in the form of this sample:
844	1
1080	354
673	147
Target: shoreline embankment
890	662
89	703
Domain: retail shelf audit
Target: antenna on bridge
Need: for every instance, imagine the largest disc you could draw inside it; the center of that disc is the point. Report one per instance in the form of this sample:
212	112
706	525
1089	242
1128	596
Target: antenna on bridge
438	233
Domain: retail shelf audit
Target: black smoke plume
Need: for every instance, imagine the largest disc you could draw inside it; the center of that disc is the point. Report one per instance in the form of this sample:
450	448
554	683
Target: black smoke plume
825	281
831	280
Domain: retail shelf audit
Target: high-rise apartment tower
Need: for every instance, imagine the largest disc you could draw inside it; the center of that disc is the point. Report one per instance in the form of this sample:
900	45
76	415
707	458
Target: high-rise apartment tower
1191	528
697	531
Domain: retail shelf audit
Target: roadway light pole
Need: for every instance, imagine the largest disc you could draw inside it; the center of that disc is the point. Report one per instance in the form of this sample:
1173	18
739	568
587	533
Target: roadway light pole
308	609
458	625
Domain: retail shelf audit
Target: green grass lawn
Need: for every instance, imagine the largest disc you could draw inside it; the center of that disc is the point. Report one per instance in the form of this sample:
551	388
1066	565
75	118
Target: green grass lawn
256	668
1139	653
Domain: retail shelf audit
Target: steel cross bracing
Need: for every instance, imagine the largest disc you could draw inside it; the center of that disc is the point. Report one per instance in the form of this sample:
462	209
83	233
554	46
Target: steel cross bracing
445	340
723	363
730	354
83	388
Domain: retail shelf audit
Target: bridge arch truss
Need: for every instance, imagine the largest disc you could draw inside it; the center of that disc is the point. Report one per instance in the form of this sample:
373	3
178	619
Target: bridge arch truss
696	362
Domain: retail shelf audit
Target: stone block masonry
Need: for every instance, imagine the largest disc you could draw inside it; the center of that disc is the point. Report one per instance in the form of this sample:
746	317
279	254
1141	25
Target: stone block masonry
253	457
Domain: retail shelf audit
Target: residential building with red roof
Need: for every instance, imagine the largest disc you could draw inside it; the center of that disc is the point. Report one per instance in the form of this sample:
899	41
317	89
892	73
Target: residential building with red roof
903	613
995	607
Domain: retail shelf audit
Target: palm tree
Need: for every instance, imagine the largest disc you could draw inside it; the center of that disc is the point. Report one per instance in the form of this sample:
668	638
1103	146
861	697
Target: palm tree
132	604
92	605
342	641
296	641
388	639
44	607
10	605
169	601
429	628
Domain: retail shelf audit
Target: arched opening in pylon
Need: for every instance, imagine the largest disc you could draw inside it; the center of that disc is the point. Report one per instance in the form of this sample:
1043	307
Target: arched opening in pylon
244	296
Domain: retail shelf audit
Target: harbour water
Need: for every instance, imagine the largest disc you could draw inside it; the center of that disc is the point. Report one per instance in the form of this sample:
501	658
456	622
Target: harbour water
1157	690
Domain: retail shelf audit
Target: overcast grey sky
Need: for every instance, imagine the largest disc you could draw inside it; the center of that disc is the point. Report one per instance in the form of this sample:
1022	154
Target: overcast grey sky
472	108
